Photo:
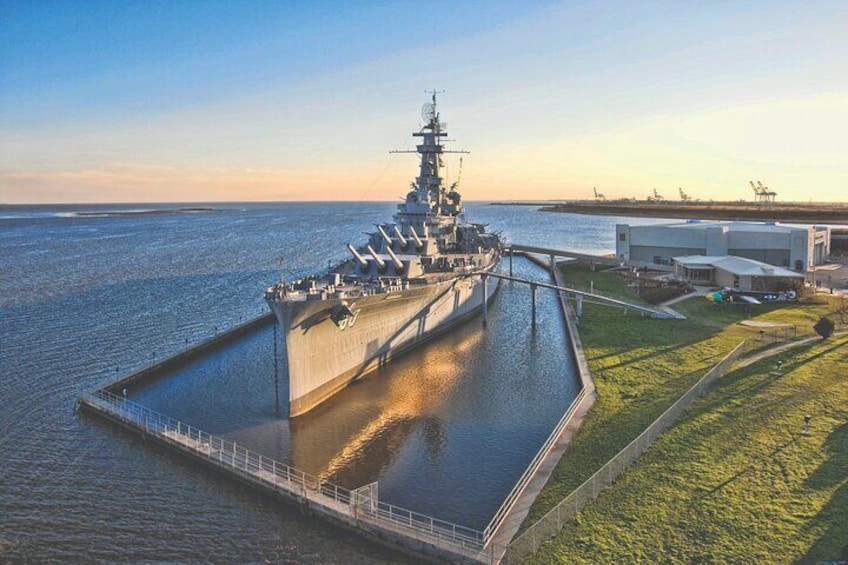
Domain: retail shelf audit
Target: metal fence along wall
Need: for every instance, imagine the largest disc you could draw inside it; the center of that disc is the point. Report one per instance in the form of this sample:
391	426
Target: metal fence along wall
499	517
529	542
584	399
361	505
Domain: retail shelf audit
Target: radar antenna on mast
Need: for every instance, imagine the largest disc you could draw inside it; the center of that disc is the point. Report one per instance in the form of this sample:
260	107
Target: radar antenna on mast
428	110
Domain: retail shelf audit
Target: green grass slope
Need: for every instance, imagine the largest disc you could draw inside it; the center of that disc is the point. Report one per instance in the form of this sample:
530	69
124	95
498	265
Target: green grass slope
726	484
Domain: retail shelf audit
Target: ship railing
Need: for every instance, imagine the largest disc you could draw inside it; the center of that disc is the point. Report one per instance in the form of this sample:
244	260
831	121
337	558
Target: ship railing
282	477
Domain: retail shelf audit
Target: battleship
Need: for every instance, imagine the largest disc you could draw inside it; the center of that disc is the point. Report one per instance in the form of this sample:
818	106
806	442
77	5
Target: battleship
415	278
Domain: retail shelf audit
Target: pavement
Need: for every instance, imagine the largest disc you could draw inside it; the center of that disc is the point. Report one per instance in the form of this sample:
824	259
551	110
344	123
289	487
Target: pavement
699	291
771	352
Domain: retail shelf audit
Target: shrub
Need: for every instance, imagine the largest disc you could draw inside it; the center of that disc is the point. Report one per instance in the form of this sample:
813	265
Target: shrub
824	327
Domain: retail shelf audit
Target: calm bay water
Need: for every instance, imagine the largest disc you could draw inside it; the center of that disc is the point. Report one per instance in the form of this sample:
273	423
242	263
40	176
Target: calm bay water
446	430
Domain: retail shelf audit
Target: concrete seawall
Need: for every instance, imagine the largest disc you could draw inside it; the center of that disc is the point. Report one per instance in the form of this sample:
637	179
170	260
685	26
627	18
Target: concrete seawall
359	509
156	367
571	321
529	486
423	537
418	535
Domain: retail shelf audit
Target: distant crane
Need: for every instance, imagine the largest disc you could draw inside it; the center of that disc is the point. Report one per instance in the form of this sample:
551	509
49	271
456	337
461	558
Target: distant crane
683	196
657	197
762	194
598	196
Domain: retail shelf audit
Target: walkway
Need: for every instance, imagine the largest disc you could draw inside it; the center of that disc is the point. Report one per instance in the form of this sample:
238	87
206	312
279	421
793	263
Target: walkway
359	509
654	311
592	259
771	352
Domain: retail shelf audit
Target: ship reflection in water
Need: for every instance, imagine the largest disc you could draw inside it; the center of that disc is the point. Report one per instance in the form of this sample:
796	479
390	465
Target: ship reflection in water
446	429
354	437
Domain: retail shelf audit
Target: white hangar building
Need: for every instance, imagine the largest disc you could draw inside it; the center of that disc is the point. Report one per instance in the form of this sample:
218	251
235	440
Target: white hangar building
792	247
736	272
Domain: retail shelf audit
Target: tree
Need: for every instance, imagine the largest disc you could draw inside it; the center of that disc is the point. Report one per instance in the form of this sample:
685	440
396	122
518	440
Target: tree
824	327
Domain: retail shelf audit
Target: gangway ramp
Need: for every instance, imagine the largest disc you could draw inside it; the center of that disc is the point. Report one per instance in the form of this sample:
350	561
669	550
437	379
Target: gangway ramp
591	259
654	311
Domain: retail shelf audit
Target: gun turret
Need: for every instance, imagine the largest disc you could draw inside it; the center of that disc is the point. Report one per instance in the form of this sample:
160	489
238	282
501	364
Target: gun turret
357	256
386	237
380	262
400	237
398	263
418	243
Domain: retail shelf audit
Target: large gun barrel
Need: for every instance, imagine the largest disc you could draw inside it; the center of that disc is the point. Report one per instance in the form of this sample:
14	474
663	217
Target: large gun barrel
398	263
400	236
376	257
418	243
385	236
357	256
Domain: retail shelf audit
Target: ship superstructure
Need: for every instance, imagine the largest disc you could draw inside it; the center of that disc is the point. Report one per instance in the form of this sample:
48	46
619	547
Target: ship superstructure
414	278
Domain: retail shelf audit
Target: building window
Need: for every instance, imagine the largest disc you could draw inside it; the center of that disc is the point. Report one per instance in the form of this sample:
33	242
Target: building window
622	236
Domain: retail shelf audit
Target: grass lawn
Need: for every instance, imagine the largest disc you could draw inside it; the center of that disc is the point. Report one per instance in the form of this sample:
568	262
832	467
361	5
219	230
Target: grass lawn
640	367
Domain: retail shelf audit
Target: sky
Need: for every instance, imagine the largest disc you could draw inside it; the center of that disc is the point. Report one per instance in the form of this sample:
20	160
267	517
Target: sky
275	101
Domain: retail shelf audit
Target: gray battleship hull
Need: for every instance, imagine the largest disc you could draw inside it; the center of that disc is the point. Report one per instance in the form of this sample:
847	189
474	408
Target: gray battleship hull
323	358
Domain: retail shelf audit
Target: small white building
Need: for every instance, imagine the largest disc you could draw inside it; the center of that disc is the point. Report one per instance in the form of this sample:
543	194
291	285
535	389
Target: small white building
736	272
791	247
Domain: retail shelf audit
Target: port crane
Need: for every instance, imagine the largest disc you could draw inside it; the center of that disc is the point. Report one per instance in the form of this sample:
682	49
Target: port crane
683	196
657	197
762	194
599	197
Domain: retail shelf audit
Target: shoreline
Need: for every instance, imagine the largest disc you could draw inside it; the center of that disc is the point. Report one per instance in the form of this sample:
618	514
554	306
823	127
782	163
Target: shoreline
797	213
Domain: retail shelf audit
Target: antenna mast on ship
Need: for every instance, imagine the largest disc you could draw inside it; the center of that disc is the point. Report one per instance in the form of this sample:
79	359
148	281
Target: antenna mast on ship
431	150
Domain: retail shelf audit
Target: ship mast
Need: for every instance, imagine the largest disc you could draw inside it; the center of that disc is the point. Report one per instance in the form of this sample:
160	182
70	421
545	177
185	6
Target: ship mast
428	195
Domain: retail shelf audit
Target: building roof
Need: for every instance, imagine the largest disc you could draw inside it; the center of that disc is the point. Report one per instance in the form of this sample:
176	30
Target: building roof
732	226
737	266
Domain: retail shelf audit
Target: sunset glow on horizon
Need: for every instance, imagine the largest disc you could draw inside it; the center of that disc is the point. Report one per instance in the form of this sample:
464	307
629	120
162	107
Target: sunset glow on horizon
205	102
